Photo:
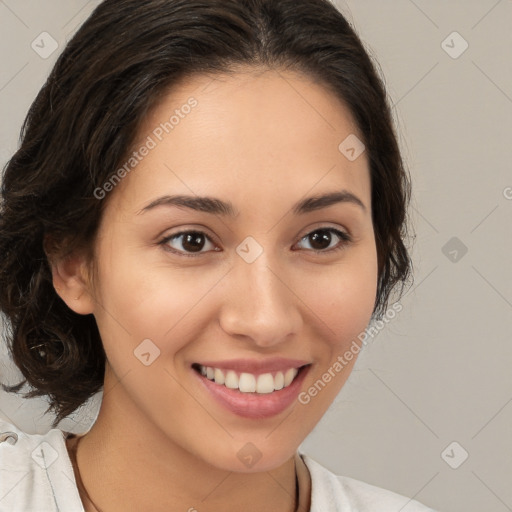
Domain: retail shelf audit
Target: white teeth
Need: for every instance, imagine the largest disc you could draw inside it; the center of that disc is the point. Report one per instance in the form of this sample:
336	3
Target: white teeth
231	380
218	376
279	381
265	383
289	376
249	383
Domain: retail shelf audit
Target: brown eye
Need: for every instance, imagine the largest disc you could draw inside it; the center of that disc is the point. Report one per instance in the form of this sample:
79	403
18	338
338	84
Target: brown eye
191	242
321	239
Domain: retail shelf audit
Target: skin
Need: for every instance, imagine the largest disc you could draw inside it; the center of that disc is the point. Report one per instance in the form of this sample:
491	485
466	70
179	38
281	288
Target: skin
262	139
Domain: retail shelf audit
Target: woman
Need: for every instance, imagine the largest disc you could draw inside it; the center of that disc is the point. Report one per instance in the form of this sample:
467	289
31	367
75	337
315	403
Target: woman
206	211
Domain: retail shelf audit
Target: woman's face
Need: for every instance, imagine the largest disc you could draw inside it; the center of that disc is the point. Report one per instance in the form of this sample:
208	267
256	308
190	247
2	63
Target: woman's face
242	290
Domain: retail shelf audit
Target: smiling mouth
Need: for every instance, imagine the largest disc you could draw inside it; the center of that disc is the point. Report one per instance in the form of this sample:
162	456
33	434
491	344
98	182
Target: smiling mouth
263	383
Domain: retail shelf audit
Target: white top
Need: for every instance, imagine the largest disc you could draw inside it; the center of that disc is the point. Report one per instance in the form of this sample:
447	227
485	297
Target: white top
36	475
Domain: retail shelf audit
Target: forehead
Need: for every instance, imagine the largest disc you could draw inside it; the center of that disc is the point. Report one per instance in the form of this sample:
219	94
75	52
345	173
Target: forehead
236	132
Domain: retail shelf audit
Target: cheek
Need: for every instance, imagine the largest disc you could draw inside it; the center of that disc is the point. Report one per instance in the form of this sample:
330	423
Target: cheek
343	299
342	303
141	299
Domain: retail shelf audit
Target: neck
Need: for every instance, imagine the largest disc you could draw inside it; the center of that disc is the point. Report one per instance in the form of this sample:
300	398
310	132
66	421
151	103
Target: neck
134	466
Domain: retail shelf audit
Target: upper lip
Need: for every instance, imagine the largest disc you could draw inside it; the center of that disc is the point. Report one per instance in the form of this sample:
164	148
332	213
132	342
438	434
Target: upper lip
255	366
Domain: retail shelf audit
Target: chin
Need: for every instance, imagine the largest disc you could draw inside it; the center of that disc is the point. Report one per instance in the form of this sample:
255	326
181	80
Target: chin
250	457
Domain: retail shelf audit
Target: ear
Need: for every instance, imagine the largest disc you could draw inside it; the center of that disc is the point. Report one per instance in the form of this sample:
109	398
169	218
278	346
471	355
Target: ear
71	281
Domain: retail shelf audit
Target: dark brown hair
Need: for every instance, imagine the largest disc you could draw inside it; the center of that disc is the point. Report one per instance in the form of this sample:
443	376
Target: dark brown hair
85	119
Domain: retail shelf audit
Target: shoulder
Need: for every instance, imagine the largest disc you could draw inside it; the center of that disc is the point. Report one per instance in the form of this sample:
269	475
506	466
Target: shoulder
35	472
334	493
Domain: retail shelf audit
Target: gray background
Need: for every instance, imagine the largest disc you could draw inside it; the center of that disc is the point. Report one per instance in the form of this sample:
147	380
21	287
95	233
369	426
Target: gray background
440	371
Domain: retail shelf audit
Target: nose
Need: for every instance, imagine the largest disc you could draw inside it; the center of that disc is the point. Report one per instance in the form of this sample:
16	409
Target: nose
260	305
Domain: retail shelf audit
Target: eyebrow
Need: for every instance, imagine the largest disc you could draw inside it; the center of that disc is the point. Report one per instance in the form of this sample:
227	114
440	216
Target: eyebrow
218	207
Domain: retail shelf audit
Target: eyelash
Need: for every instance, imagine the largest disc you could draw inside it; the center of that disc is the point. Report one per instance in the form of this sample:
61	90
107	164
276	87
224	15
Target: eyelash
345	237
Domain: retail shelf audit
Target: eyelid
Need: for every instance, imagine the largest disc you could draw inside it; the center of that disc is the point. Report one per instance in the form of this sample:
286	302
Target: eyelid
326	227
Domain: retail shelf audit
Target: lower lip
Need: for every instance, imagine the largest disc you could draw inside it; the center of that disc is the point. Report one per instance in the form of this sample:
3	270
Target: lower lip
255	405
